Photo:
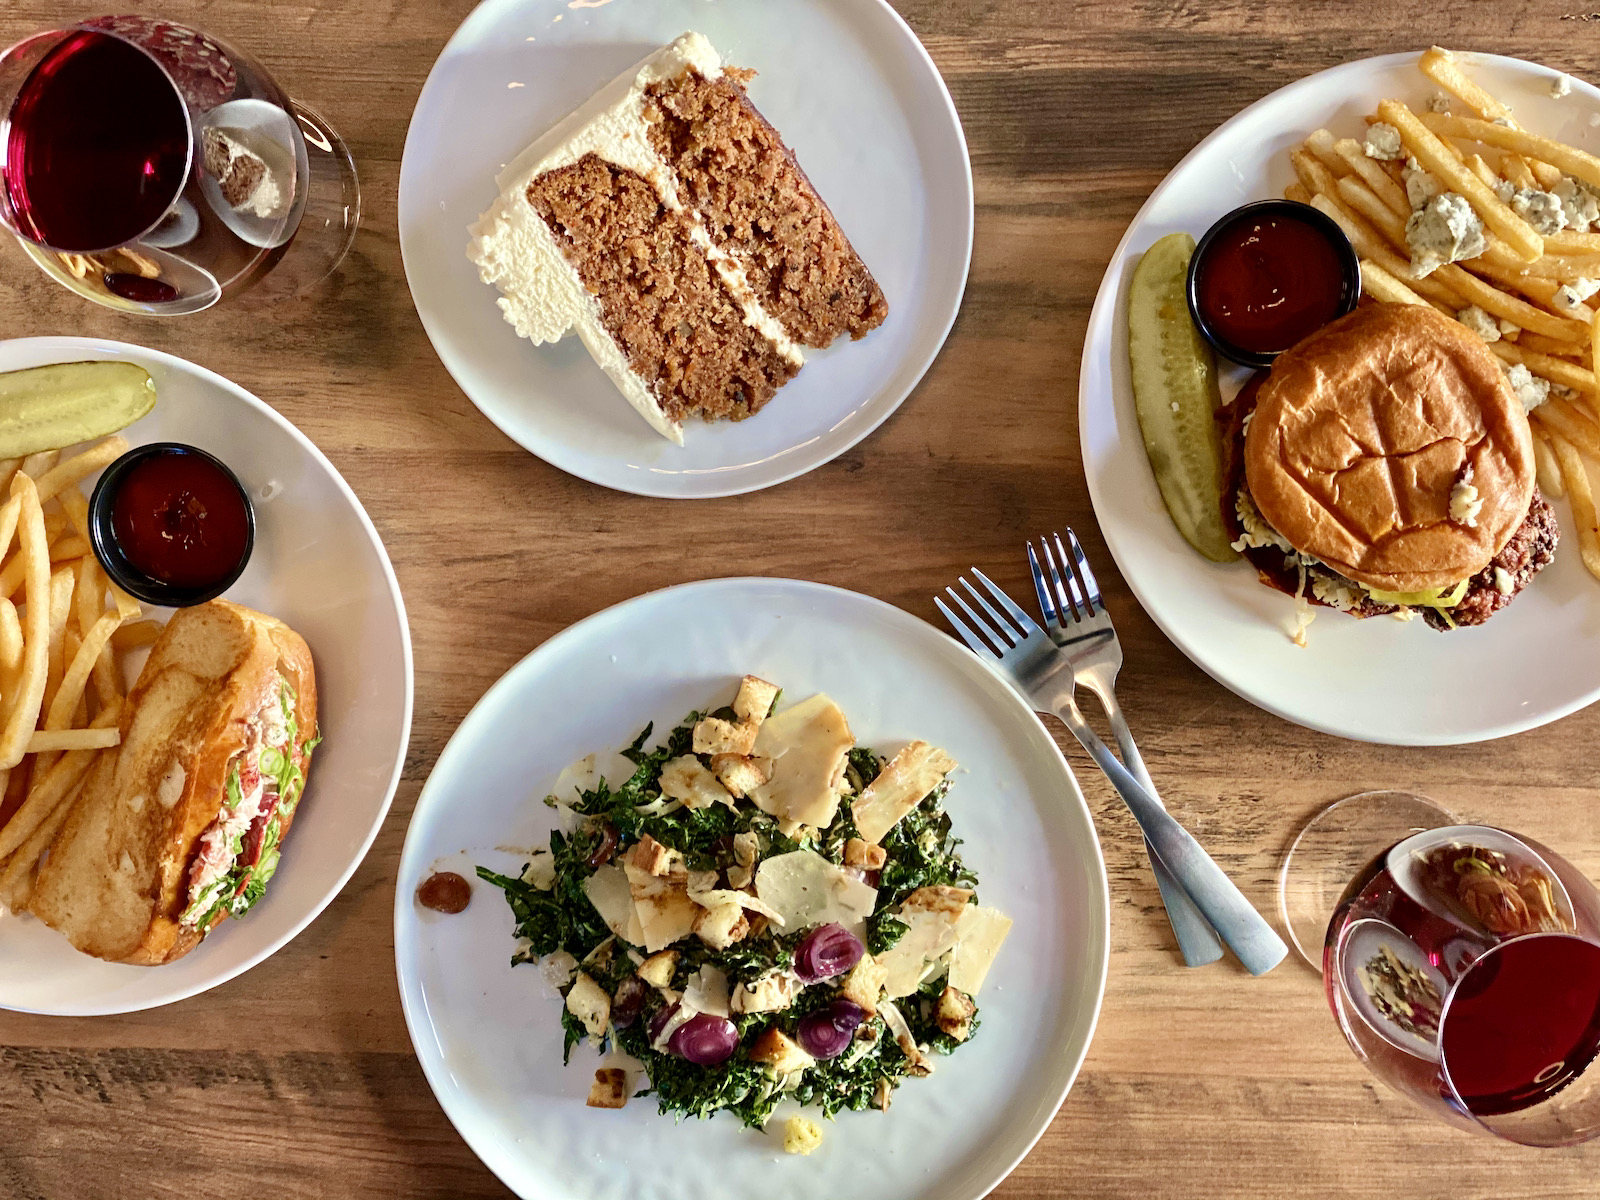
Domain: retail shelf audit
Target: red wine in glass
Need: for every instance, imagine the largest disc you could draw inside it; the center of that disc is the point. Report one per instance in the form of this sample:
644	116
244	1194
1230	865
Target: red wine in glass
154	169
1463	965
97	148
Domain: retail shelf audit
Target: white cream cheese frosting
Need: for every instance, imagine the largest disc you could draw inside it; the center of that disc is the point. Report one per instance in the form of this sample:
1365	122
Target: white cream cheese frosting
542	295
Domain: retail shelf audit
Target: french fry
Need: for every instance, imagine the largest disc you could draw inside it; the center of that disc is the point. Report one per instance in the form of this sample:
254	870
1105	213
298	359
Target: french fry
1320	143
1384	287
1562	419
1375	177
1519	312
35	465
10	637
8	468
1439	65
77	468
1517	171
45	741
68	549
1369	244
1482	170
1540	344
76	677
1556	370
76	506
1564	267
135	634
1313	176
16	878
1547	174
23	714
62	583
1541	291
1568	159
1296	191
1582	499
1549	469
50	789
1365	202
1437	158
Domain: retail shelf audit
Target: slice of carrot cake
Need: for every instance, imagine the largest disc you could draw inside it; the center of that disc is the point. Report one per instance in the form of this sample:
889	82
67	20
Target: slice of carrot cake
668	225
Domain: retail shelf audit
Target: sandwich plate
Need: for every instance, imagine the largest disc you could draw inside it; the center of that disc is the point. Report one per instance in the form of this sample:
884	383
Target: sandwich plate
319	566
1376	680
856	98
489	1035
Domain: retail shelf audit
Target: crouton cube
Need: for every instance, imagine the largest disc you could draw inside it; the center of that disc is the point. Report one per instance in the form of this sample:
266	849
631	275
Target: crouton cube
713	735
754	700
650	856
772	993
658	969
610	1088
955	1013
864	985
865	855
780	1052
740	775
801	1135
937	899
721	925
591	1004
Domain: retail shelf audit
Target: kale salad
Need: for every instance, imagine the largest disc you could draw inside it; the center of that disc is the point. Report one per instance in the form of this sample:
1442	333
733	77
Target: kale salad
762	911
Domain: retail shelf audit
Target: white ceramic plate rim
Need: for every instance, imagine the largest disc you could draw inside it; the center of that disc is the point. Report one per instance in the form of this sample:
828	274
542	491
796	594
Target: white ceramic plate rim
709	486
414	1004
67	346
1102	327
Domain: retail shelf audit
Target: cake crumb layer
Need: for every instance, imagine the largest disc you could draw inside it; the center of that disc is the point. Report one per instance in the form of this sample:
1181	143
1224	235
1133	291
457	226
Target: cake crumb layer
659	296
759	207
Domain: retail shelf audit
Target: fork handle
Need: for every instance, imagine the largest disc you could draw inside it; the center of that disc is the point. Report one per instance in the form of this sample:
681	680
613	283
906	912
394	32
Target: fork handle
1197	941
1214	894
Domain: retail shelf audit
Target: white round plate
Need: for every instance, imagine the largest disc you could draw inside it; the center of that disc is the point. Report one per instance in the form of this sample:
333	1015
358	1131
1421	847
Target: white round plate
858	100
319	566
489	1035
1376	680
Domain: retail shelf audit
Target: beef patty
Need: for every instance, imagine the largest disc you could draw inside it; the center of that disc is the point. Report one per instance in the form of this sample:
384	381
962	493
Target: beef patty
1531	549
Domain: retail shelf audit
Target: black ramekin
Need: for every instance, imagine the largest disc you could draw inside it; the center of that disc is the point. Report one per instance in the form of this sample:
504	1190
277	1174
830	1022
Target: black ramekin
1349	263
103	534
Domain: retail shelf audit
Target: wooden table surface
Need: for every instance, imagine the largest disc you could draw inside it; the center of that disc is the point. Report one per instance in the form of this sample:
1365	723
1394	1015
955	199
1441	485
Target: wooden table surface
298	1080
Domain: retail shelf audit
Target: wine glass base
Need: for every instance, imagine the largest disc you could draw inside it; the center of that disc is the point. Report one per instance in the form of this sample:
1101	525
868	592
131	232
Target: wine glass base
1332	849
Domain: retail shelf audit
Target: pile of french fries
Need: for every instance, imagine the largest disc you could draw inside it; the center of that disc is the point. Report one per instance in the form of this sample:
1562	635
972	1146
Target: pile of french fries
1515	279
63	624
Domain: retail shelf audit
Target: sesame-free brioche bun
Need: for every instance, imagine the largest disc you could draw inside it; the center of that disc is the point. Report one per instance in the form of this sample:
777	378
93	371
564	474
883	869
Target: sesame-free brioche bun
1363	431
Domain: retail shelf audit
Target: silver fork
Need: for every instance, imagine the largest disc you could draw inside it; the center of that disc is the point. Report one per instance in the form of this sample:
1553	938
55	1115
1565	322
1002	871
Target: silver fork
1078	622
1044	674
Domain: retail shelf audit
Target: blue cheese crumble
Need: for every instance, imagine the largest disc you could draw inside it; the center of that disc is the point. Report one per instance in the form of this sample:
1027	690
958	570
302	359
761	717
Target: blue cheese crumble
1446	230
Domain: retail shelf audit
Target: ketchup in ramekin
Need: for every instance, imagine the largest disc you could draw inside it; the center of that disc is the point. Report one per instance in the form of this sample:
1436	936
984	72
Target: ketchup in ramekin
1267	275
171	524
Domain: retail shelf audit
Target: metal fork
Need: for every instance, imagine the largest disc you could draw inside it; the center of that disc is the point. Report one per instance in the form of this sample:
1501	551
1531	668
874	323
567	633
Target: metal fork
1044	674
1078	622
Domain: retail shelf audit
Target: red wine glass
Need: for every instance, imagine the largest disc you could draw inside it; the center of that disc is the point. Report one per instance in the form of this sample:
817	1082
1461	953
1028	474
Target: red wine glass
1462	963
155	169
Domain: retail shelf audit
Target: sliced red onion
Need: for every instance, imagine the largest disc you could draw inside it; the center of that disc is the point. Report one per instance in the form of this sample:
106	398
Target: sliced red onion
826	1032
659	1021
704	1040
826	951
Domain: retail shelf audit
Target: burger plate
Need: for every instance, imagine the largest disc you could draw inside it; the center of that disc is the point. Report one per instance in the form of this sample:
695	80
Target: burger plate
318	565
1377	680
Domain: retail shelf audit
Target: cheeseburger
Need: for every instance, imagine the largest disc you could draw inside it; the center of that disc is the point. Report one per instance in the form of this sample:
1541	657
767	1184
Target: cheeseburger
1386	466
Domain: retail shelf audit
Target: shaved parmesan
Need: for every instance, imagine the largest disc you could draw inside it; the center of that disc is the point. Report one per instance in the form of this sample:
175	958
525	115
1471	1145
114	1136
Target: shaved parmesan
686	778
928	937
609	892
705	992
666	913
715	896
979	934
899	787
805	889
902	1036
807	745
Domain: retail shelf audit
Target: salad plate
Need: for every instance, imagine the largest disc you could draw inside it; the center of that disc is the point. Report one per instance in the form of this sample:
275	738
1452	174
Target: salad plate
318	565
1376	680
863	108
489	1035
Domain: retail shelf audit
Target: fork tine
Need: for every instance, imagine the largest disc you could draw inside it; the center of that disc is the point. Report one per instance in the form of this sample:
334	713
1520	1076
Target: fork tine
1081	564
1069	603
1023	620
973	641
1080	601
1000	639
1047	604
1011	635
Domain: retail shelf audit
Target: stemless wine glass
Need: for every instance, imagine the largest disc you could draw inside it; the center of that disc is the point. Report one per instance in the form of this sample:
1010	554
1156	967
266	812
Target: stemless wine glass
1462	963
154	169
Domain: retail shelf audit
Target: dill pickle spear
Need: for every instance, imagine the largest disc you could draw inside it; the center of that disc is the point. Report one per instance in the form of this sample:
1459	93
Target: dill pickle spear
1175	392
48	408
